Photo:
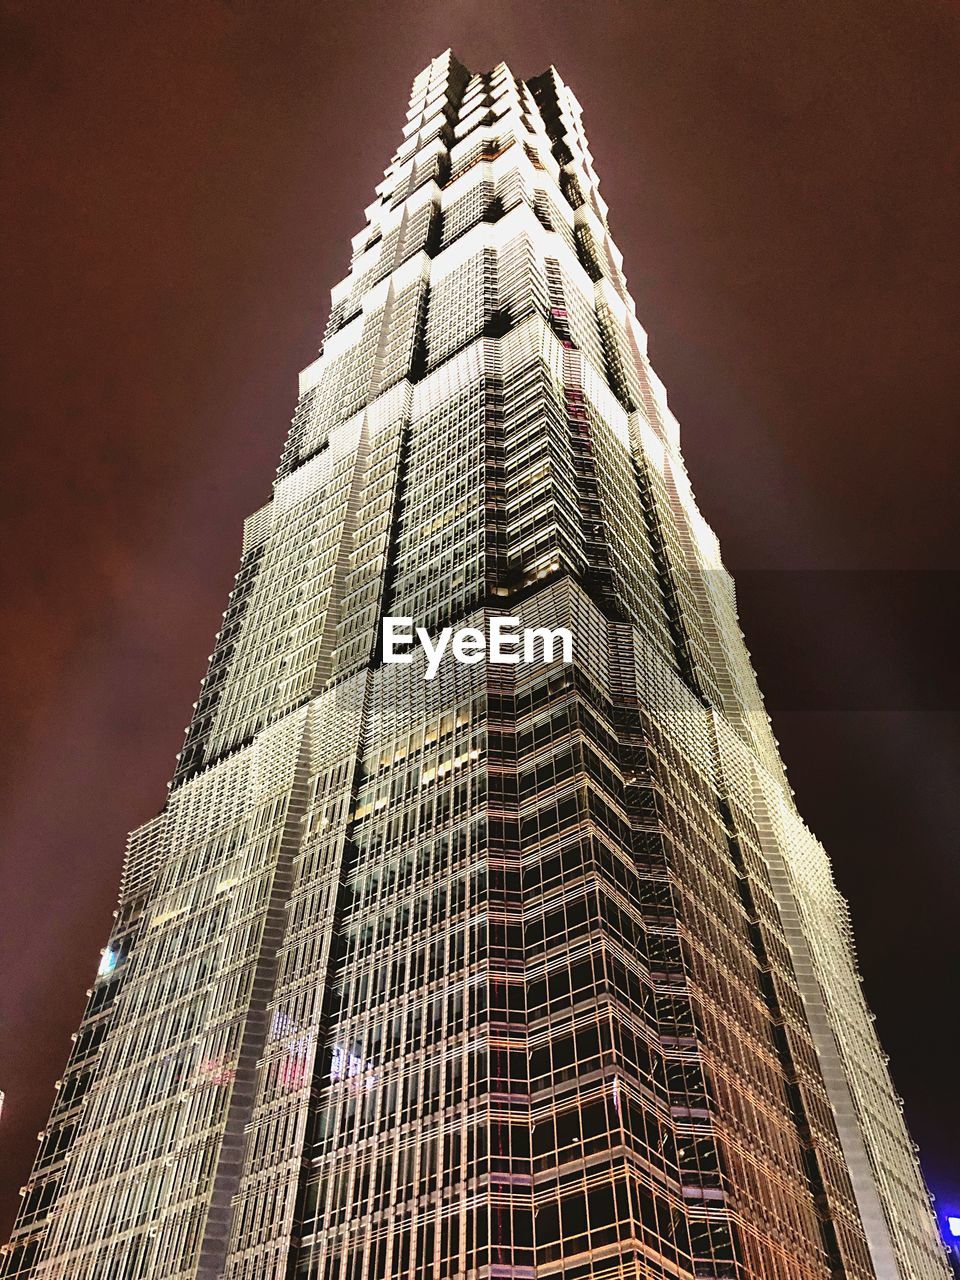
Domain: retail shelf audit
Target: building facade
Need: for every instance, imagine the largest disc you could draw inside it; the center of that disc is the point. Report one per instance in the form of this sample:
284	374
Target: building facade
526	970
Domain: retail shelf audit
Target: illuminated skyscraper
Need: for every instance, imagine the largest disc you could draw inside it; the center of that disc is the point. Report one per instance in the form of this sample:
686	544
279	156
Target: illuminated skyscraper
526	970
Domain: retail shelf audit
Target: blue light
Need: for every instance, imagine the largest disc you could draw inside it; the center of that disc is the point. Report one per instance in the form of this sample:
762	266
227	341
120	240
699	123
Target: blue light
953	1226
108	962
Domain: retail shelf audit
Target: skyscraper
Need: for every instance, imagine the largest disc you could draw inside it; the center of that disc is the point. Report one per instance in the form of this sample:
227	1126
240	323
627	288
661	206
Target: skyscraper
525	969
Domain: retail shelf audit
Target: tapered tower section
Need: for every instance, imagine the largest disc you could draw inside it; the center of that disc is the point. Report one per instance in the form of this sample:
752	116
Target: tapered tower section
522	971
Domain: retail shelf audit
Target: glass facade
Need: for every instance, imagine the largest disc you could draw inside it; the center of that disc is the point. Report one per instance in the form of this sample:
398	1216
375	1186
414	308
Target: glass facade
526	970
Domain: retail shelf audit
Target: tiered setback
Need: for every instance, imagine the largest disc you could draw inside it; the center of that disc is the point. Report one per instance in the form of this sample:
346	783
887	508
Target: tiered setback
524	971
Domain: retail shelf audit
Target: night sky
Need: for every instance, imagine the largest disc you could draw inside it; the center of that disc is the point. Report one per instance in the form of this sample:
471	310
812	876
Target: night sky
182	182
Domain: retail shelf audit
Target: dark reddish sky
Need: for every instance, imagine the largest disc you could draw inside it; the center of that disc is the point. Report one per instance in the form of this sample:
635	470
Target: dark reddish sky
782	181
